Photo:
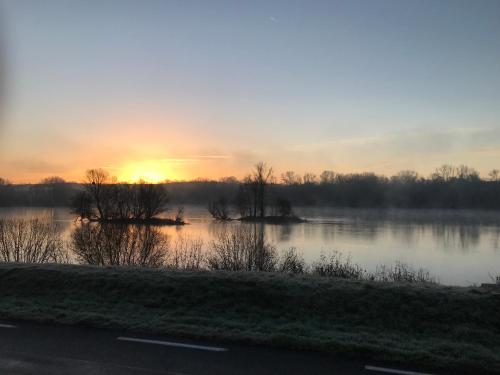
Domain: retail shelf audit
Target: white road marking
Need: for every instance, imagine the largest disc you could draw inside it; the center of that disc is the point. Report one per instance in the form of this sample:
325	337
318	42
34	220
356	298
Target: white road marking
7	326
393	371
174	344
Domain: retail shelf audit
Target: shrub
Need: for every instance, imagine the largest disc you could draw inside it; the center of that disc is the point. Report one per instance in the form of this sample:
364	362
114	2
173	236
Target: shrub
242	248
335	266
292	262
187	254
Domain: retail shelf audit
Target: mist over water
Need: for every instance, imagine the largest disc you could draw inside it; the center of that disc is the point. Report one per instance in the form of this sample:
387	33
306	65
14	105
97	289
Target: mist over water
459	247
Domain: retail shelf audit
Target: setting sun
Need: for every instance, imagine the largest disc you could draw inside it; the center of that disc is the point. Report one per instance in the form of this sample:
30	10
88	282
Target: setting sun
152	171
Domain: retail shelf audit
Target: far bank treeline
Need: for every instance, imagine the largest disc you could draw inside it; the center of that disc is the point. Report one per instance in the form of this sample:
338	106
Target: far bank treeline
448	187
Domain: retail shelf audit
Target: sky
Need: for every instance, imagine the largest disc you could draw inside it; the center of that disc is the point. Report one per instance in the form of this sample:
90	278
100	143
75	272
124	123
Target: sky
186	89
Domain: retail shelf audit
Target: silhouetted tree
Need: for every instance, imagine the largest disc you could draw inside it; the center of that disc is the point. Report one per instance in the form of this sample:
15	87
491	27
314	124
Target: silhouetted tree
443	173
494	175
405	177
219	209
309	178
464	172
55	188
81	205
52	180
4	181
229	180
283	207
290	178
262	176
243	199
112	201
179	216
96	181
153	199
327	177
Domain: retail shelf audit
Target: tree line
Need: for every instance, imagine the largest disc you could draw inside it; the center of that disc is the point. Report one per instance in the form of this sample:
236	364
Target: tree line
447	187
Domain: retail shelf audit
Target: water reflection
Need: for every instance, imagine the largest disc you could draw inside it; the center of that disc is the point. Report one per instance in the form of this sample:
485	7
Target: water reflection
31	241
242	248
461	237
495	239
119	245
458	246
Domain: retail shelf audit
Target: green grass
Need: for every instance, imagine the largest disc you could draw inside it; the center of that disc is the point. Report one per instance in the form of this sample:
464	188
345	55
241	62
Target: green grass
428	325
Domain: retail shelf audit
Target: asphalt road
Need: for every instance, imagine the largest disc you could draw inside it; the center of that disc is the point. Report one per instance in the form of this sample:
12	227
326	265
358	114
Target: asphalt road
27	348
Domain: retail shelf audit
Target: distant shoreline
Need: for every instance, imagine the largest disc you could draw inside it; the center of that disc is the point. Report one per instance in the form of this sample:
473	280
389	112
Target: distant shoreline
348	191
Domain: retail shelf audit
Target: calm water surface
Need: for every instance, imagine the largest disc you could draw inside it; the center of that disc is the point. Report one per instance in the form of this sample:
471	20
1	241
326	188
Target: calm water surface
460	247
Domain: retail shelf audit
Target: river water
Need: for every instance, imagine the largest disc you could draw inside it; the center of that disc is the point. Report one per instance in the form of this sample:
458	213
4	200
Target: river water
459	247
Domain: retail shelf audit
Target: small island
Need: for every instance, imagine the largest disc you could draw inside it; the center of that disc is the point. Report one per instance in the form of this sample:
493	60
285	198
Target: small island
252	200
105	201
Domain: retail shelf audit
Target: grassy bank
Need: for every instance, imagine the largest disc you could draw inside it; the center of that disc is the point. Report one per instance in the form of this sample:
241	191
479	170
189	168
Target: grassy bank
430	325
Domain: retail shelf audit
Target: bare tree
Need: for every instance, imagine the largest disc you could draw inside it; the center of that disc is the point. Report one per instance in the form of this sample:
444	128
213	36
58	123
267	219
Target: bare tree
4	181
186	254
179	215
244	197
153	199
30	241
290	178
494	175
262	176
405	177
283	207
81	205
106	200
219	209
444	173
229	180
309	178
53	180
327	177
96	181
467	173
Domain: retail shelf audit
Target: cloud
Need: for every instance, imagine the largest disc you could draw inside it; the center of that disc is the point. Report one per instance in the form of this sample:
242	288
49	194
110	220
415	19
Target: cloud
416	140
400	150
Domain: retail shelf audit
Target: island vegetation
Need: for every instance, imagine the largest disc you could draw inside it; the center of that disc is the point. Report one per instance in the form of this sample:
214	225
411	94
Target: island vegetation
107	201
252	201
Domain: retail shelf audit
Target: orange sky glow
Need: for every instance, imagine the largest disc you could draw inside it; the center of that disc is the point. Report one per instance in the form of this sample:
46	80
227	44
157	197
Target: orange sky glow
170	91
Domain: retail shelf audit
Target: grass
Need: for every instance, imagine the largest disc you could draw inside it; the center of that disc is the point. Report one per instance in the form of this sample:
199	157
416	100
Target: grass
437	327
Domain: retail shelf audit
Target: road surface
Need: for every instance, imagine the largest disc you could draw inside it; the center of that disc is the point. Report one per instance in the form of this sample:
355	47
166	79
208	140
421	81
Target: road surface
28	348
